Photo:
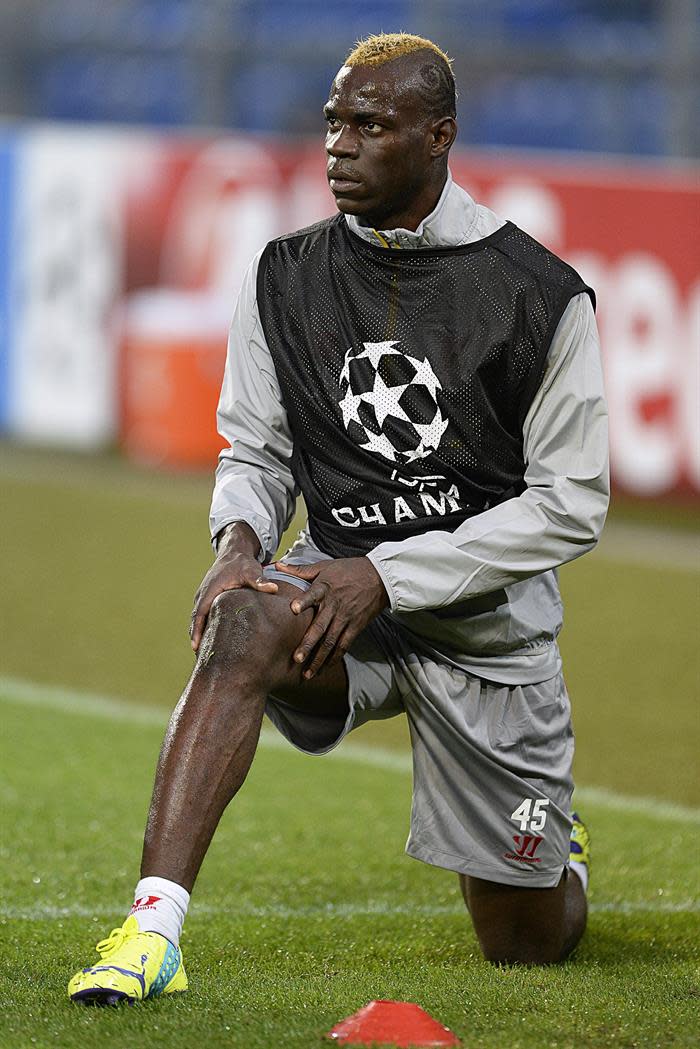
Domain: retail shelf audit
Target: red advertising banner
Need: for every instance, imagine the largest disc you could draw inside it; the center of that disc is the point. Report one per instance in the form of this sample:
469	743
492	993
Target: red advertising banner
196	212
633	235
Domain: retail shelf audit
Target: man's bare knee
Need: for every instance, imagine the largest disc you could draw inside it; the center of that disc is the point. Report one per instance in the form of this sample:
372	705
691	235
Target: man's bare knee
236	630
521	926
249	637
511	941
236	617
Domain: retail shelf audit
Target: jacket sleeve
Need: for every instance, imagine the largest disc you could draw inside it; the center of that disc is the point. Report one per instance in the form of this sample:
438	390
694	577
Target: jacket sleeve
253	482
556	519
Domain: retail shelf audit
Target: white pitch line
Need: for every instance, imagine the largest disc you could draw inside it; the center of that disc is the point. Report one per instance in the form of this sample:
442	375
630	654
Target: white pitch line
58	912
89	704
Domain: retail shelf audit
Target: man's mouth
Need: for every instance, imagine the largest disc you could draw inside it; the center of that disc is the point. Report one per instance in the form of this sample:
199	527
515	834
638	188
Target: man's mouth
341	181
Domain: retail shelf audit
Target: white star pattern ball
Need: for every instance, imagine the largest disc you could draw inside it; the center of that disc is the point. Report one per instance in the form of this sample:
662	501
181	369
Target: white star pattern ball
388	401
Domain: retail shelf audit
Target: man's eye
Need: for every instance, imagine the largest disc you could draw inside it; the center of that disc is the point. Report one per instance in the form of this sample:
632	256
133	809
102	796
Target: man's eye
372	127
333	123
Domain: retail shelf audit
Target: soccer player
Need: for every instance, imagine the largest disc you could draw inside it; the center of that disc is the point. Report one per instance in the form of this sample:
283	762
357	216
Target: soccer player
428	377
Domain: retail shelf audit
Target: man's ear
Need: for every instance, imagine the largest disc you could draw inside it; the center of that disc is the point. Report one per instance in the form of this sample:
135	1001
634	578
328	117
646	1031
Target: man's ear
444	132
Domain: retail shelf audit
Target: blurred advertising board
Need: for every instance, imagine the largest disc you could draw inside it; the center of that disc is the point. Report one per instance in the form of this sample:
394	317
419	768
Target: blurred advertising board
632	232
63	282
106	221
7	184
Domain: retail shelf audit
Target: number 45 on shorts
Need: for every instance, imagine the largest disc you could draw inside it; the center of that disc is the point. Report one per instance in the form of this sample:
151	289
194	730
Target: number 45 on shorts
531	813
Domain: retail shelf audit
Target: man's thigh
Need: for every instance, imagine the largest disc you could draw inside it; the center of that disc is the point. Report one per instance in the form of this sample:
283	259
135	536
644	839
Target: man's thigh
283	631
315	716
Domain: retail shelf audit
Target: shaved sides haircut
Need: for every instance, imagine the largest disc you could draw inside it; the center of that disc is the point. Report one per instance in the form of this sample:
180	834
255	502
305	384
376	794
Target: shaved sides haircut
436	80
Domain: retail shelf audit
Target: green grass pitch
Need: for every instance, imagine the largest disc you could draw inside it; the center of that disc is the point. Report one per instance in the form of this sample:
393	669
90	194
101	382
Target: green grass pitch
306	907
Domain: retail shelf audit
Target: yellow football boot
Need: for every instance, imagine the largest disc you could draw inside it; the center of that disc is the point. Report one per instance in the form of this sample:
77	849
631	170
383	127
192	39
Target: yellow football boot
133	966
580	845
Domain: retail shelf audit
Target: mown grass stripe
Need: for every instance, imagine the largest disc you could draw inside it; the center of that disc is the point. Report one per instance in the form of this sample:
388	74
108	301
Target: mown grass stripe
643	544
57	912
88	704
623	541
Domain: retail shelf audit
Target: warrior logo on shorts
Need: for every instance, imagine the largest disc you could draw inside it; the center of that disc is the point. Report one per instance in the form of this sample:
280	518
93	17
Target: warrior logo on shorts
526	845
389	403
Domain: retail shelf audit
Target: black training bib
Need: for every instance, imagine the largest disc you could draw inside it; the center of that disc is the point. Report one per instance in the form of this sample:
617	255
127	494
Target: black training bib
407	374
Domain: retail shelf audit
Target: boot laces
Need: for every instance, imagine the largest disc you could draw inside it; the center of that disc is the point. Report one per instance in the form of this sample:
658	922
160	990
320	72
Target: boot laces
113	942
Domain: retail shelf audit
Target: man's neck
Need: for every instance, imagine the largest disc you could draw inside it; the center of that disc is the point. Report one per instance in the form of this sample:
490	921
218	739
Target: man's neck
400	235
410	218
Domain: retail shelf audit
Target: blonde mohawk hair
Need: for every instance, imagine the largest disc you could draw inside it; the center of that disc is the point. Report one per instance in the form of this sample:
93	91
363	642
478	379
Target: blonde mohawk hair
379	48
434	81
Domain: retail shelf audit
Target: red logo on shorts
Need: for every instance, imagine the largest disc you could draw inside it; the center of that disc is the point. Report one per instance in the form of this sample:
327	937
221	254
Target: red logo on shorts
144	903
526	845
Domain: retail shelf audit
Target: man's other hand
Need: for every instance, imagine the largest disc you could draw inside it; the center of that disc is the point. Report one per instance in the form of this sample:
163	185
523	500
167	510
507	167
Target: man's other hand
347	594
236	567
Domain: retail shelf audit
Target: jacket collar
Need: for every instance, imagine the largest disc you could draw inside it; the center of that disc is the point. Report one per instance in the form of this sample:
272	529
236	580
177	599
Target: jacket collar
452	221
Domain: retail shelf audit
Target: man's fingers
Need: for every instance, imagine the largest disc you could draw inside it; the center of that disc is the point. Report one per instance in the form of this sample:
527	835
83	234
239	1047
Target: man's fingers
200	615
325	652
264	584
199	618
342	645
314	635
313	596
300	571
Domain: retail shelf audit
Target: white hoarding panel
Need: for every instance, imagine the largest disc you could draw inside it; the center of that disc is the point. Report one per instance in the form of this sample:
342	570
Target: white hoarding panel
67	280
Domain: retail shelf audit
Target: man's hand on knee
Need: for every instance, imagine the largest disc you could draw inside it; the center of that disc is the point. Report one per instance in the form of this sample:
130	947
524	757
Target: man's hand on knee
236	567
347	594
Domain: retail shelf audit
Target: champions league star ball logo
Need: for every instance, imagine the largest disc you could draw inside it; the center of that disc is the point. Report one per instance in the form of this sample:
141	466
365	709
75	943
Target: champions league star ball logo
389	402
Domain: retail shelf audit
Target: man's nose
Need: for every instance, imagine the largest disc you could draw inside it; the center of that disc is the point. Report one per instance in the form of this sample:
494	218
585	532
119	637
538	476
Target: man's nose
341	143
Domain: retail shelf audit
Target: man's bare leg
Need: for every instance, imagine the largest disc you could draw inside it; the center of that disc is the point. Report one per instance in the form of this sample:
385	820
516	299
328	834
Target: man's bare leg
248	649
246	653
526	926
210	743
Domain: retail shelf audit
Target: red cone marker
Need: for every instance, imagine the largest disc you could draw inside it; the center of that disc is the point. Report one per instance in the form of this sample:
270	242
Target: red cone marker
401	1024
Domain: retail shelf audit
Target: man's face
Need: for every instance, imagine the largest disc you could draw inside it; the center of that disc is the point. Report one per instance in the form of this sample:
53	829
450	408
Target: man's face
378	143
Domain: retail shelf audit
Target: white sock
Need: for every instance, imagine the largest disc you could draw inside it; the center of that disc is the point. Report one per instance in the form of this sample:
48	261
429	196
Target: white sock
160	906
578	868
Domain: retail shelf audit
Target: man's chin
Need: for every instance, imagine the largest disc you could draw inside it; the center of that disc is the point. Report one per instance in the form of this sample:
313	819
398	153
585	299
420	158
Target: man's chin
350	207
365	210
